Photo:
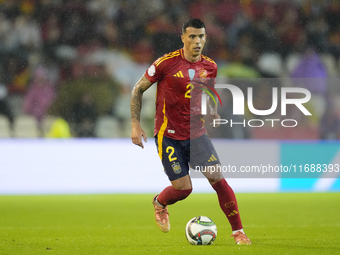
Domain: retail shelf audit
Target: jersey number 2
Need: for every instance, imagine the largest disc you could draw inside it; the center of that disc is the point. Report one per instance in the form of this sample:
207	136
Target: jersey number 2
172	150
190	87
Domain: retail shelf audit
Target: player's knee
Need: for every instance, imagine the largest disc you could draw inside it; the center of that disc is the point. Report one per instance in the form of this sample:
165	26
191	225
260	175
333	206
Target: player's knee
183	183
182	186
215	180
184	193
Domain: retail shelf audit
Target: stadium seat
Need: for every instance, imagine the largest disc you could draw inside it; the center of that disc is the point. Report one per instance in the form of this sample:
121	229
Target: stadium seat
107	127
319	104
270	63
47	124
330	64
292	62
4	127
25	127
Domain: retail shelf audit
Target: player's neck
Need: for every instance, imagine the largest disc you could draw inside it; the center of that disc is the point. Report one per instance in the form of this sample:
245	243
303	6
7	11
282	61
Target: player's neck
188	56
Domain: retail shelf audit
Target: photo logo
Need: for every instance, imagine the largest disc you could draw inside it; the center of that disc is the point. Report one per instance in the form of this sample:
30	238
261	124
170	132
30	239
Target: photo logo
204	98
239	104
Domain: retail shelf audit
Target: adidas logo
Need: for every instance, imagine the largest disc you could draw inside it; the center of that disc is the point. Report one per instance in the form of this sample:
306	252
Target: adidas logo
212	158
179	74
233	213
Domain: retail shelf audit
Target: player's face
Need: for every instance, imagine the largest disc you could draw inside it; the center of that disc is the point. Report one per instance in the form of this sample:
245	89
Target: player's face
194	40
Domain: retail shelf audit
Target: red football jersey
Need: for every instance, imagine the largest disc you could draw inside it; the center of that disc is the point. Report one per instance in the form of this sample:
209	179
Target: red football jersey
178	100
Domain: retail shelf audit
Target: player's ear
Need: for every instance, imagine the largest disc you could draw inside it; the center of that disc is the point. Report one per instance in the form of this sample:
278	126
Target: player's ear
182	38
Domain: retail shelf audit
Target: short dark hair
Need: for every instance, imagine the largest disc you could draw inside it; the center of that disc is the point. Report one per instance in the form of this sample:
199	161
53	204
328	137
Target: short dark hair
195	23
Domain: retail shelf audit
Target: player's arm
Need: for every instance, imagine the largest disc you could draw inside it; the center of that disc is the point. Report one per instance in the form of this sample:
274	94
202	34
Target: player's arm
136	106
211	104
213	110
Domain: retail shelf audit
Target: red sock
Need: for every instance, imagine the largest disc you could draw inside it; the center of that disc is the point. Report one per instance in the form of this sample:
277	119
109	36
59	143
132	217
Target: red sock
170	195
228	203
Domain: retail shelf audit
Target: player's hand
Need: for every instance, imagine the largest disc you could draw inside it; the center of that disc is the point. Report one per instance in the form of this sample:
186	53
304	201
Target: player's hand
136	135
214	115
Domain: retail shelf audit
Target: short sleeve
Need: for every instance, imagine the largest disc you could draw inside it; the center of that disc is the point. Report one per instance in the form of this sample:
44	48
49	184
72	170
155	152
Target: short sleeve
154	73
213	77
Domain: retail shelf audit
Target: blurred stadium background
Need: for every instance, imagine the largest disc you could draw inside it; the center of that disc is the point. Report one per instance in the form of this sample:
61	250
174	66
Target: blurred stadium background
67	69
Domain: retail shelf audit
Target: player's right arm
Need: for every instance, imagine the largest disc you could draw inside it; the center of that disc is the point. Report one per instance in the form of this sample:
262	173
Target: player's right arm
136	105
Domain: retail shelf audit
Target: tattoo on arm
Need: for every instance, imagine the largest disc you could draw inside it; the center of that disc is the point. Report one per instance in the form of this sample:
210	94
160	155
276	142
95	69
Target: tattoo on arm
136	98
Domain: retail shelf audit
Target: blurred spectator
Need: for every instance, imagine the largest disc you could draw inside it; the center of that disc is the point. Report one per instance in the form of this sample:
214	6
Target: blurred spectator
5	31
70	38
334	43
143	52
39	97
164	37
217	39
313	8
28	32
20	34
16	73
11	9
111	35
332	10
51	34
176	9
237	26
263	31
317	30
74	30
4	106
311	66
290	32
104	8
238	68
85	115
226	11
122	107
53	70
197	9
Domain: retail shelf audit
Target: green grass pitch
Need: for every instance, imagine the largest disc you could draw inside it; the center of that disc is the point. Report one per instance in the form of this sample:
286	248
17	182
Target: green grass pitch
282	223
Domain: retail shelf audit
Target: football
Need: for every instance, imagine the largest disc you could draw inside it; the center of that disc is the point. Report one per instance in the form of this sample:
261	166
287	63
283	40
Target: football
201	230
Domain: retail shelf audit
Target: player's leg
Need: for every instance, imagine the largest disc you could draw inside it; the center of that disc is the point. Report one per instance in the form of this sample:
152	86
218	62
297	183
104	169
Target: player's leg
204	155
175	162
179	190
228	203
226	196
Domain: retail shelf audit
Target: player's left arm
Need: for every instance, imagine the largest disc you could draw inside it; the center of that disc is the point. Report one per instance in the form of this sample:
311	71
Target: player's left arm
213	111
211	104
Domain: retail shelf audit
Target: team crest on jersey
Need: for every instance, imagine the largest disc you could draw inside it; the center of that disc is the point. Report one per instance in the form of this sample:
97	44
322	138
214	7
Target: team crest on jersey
203	74
176	167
